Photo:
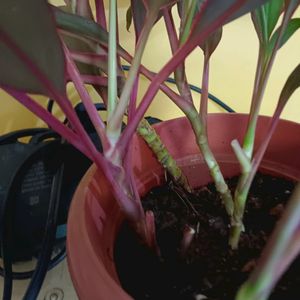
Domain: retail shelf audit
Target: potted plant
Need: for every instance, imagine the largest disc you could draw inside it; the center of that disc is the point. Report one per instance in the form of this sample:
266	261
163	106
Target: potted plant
83	49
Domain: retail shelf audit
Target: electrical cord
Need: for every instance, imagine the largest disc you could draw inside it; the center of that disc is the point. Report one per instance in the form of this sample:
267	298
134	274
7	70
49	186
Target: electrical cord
197	90
28	274
7	212
38	136
45	255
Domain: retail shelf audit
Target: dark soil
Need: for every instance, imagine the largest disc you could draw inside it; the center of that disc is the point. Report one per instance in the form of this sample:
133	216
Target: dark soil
209	268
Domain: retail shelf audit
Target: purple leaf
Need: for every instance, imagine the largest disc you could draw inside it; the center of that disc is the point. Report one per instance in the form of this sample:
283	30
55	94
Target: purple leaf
214	9
18	22
210	45
138	10
292	83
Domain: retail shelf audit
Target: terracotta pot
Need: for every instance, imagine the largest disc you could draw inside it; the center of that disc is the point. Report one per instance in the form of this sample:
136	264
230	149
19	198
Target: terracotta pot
94	216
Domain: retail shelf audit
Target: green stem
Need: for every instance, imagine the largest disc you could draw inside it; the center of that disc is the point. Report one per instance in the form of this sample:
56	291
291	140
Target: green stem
261	77
163	155
112	65
264	66
114	124
188	21
210	160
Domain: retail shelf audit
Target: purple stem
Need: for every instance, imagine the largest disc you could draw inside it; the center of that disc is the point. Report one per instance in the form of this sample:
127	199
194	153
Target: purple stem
204	93
133	99
49	119
100	14
89	58
171	29
86	99
94	80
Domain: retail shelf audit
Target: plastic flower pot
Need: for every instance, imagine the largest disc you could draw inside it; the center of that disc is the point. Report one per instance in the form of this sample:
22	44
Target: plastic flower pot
95	218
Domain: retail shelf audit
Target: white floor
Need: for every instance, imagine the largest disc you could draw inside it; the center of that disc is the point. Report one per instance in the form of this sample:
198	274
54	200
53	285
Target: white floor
57	285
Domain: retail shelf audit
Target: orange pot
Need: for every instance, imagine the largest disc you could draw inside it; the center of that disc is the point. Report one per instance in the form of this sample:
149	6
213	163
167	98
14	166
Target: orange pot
94	217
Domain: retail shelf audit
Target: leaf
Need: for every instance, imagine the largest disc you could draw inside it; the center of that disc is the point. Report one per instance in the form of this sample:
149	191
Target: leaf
140	9
159	4
292	27
139	12
291	85
259	23
265	19
213	11
128	18
79	45
29	26
273	11
80	26
212	42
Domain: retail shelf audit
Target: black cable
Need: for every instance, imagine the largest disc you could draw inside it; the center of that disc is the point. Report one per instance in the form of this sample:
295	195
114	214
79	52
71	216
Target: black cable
45	255
6	250
28	274
196	89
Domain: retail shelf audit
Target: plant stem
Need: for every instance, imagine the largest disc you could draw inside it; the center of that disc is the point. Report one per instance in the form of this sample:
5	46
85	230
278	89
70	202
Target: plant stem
163	156
179	74
86	99
264	66
49	119
115	121
204	93
100	13
112	61
210	160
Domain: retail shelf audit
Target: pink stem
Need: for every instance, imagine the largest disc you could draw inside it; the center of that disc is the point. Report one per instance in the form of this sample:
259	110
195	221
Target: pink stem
95	58
100	14
133	99
177	99
204	93
88	58
171	30
86	99
94	80
49	119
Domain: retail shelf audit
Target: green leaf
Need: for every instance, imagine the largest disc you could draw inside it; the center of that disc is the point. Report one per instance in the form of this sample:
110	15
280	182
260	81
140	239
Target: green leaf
292	27
29	25
80	45
273	11
80	26
259	20
265	19
291	85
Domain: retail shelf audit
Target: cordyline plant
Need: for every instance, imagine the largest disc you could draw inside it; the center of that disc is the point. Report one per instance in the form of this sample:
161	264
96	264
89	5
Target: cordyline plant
43	47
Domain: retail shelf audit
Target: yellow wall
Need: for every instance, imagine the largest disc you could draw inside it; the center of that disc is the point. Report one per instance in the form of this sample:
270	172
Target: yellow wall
232	73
